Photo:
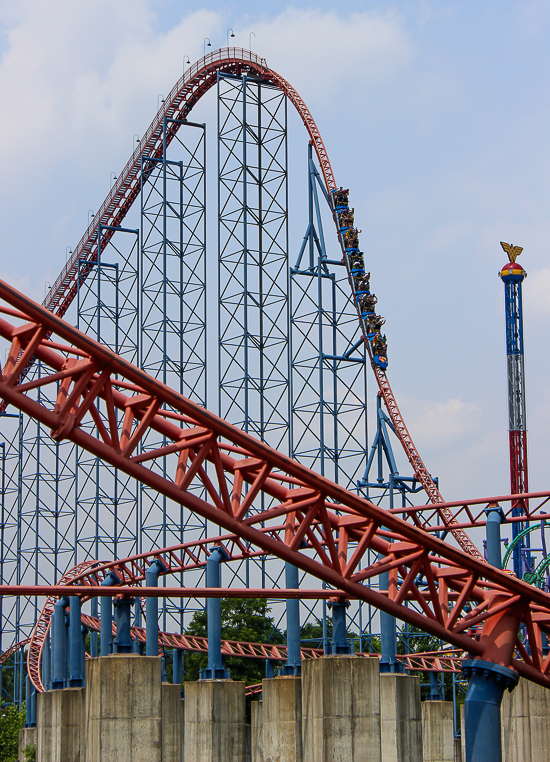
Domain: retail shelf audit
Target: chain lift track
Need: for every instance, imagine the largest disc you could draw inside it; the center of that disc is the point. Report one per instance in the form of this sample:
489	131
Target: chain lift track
432	585
197	80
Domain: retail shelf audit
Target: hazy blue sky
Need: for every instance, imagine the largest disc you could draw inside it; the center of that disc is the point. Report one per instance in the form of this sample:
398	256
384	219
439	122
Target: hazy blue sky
435	114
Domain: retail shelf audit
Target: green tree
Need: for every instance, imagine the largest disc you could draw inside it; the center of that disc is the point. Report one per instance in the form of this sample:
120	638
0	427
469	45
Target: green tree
245	619
11	720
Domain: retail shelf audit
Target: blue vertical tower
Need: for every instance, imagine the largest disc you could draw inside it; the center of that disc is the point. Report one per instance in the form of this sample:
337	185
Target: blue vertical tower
513	275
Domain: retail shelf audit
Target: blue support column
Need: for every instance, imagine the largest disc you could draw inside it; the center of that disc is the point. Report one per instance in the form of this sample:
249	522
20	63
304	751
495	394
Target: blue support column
435	688
107	616
177	665
216	669
495	517
33	707
123	640
76	678
59	645
152	609
388	635
28	689
269	668
93	635
486	686
83	633
293	664
340	644
486	681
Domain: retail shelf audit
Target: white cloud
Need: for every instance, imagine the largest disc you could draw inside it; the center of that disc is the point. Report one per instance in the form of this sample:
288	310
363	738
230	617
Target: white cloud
75	88
441	424
331	54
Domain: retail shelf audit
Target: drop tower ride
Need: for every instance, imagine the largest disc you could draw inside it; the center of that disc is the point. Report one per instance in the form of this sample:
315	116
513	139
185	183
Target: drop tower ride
513	275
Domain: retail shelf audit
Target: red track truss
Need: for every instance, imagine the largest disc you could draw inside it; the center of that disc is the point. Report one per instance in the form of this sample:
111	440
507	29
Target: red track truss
450	590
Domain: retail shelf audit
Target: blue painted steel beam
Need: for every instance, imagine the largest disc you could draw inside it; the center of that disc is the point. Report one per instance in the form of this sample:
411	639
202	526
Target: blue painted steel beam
106	624
340	643
177	666
293	664
152	609
76	676
495	517
123	640
59	645
216	669
486	686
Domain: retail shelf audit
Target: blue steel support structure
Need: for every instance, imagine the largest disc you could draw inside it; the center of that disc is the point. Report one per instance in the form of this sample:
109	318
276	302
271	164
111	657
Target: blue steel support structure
215	669
297	379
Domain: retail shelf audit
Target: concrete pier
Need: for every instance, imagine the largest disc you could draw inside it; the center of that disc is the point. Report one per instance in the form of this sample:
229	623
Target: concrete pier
27	737
60	732
172	712
341	710
123	714
282	719
438	731
214	727
400	718
525	718
256	731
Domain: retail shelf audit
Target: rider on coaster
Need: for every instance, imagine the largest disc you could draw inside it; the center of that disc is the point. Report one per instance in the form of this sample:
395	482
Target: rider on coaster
356	261
366	302
362	282
340	197
374	323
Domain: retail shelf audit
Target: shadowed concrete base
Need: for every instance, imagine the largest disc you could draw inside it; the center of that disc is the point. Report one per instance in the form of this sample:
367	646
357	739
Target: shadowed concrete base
59	725
256	727
438	731
214	727
172	723
27	737
341	709
400	718
123	709
282	719
525	719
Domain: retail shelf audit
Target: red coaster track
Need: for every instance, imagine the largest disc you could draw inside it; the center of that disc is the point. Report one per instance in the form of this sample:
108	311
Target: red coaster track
197	80
312	523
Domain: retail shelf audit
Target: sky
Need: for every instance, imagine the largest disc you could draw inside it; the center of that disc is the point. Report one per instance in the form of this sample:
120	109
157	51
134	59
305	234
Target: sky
436	115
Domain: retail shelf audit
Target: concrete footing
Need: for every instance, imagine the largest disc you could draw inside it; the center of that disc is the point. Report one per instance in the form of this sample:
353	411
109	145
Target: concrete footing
172	712
525	715
341	710
256	734
27	737
123	715
282	719
60	733
400	718
214	726
438	731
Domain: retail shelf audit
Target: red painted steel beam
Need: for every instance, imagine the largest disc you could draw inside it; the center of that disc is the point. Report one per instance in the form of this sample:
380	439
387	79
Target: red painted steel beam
87	591
339	526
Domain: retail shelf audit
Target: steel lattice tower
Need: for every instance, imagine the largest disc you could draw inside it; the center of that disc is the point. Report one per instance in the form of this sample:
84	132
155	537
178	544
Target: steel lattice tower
513	275
290	370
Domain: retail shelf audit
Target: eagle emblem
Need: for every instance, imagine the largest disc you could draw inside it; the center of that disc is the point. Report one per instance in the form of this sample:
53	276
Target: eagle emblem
512	251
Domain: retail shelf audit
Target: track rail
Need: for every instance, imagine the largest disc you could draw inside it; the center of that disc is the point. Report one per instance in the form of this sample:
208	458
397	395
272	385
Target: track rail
451	591
197	80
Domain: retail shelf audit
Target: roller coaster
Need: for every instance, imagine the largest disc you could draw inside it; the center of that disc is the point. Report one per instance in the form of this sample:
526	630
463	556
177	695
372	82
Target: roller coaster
269	504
